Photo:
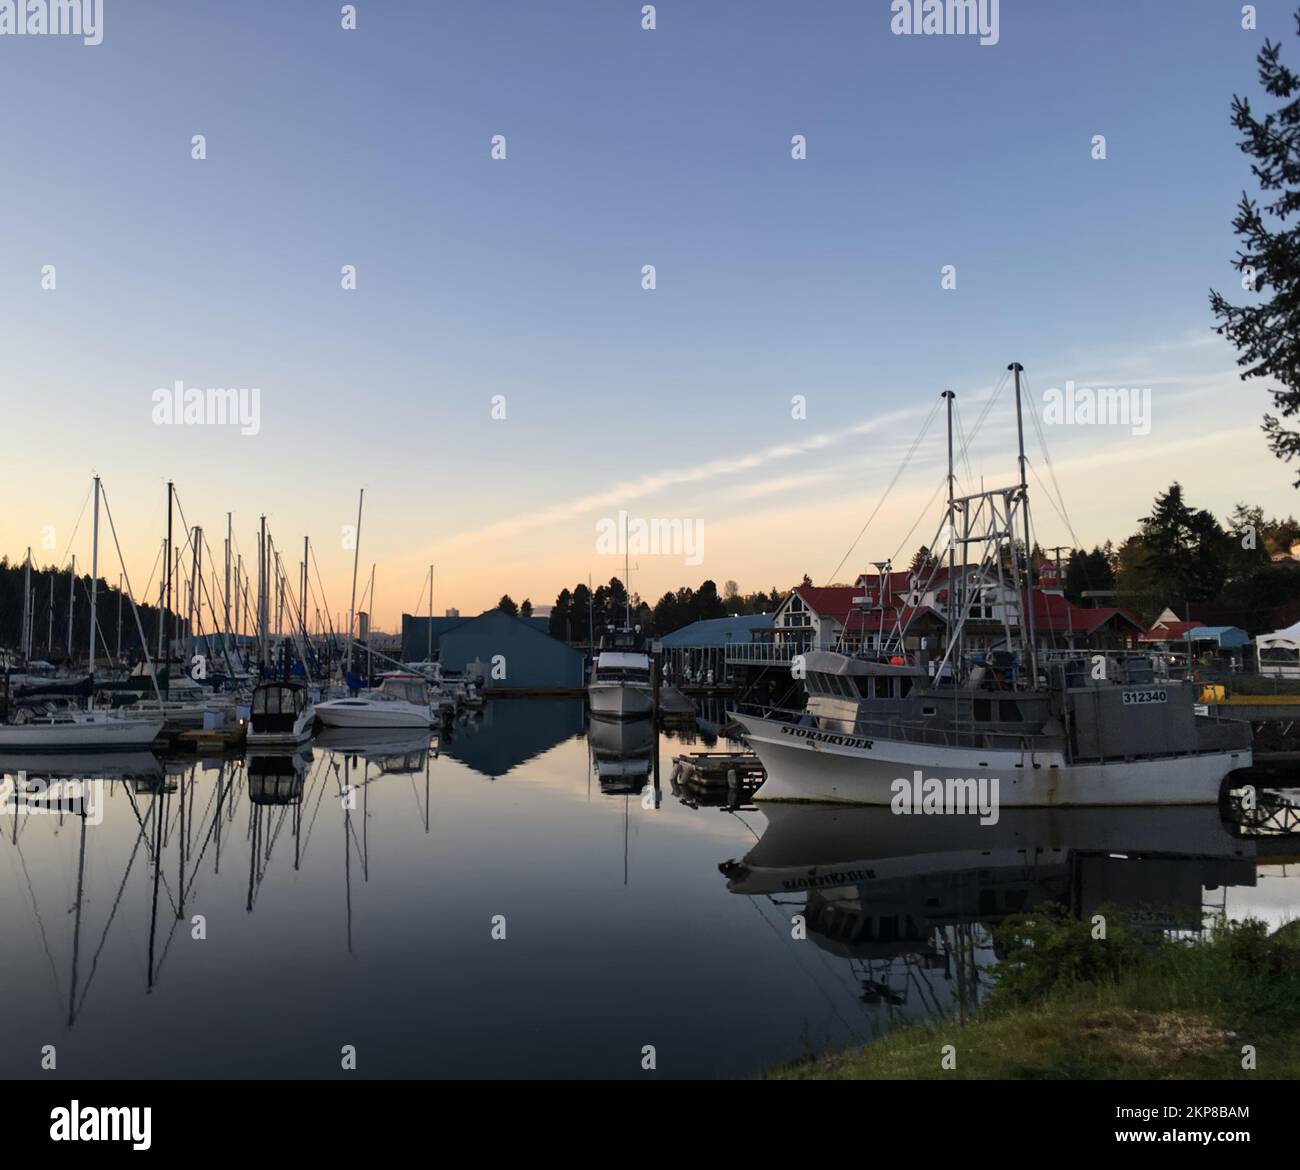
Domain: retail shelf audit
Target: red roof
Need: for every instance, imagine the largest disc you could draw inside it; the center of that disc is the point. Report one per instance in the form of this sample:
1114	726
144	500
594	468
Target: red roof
834	601
1170	631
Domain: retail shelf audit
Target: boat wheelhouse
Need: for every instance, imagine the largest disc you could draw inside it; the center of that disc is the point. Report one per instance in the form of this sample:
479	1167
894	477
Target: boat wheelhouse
282	715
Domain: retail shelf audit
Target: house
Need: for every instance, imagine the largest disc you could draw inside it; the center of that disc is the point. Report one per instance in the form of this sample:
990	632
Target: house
1168	632
810	616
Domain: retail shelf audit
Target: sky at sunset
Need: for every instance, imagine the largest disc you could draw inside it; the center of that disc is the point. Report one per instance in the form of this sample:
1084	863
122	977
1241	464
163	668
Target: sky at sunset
489	286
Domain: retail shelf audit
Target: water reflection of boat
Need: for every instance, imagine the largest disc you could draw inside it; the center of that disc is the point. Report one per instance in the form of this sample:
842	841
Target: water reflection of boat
373	743
78	765
623	753
887	871
277	777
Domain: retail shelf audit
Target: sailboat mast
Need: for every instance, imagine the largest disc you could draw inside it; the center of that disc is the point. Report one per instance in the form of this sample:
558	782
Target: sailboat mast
627	577
428	657
164	646
1016	368
226	594
72	599
356	556
27	608
94	580
955	605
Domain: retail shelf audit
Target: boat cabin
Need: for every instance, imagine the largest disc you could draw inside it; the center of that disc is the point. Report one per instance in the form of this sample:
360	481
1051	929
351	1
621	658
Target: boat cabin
277	706
409	688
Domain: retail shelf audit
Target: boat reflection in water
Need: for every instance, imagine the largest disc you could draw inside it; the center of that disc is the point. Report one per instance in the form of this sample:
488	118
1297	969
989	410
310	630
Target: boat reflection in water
909	901
277	777
622	753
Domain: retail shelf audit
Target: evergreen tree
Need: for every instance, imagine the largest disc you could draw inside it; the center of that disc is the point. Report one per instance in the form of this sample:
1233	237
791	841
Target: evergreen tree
1266	332
560	625
506	605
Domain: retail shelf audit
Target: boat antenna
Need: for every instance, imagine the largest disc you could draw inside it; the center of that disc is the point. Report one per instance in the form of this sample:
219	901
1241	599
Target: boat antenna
1016	368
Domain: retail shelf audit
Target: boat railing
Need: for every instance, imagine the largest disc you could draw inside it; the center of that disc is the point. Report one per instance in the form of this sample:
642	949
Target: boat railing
908	731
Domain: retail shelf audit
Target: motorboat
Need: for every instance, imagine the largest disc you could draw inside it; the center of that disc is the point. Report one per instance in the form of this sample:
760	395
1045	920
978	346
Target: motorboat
400	700
620	684
281	715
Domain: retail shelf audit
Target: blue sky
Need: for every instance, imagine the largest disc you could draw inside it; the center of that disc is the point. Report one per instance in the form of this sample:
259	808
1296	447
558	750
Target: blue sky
522	277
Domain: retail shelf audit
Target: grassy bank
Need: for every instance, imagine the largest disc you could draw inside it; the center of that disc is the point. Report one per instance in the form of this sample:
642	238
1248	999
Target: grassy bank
1071	1006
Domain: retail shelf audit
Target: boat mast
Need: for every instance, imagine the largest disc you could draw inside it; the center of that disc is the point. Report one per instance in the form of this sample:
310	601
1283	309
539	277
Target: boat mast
72	599
1016	368
263	594
164	647
627	578
94	580
356	555
226	594
119	618
49	633
27	608
955	607
428	656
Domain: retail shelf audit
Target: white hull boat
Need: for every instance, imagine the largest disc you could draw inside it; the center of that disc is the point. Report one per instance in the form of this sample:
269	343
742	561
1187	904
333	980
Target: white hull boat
808	764
80	731
399	701
621	700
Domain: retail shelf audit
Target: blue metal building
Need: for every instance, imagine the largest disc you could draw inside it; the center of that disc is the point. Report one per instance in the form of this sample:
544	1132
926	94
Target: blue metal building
512	653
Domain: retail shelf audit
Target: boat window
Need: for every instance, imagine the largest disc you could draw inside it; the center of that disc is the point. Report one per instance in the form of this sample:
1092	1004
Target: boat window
904	687
846	687
1011	711
863	683
882	687
983	710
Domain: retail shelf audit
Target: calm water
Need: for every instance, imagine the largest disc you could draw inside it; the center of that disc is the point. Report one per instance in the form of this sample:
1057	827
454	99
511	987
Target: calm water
372	926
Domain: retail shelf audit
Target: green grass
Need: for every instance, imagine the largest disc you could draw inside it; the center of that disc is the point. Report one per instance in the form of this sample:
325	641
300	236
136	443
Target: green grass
1068	1006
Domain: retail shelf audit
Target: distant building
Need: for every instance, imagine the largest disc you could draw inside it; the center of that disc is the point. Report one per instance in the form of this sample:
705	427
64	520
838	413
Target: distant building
727	631
512	653
415	632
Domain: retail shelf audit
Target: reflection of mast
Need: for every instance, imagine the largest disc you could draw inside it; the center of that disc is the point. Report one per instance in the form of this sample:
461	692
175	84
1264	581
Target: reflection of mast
76	929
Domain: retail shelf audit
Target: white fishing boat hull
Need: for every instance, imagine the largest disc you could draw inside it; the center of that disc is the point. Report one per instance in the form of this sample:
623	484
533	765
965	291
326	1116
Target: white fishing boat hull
620	700
809	764
103	733
364	713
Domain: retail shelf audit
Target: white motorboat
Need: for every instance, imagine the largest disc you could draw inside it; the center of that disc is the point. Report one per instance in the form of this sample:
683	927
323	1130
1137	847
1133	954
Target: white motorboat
282	715
66	730
400	700
620	684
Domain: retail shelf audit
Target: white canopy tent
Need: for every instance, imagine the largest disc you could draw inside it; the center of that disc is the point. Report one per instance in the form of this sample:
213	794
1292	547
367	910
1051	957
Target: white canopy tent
1278	653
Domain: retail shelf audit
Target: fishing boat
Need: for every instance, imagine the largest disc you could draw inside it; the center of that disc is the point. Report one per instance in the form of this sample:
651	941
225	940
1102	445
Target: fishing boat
281	716
400	700
1020	727
620	684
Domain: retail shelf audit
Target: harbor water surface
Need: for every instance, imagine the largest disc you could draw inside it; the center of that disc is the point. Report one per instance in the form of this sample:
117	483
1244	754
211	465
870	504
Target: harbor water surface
521	904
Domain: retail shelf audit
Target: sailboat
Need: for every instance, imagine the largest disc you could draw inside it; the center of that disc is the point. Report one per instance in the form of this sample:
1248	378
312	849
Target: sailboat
51	726
1023	727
